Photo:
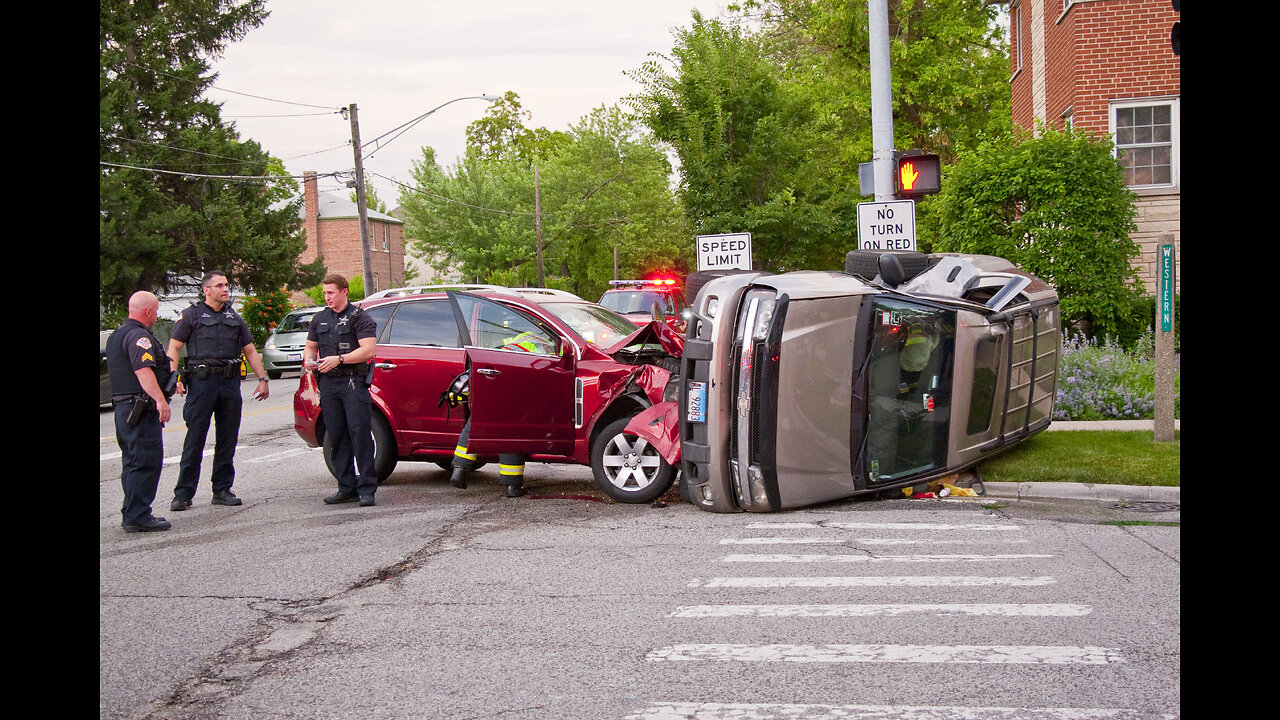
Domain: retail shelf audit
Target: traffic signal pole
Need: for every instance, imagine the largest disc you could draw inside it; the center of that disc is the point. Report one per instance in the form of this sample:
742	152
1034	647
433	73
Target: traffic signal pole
881	100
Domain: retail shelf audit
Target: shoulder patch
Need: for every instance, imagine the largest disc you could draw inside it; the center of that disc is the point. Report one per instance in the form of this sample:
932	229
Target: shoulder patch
144	343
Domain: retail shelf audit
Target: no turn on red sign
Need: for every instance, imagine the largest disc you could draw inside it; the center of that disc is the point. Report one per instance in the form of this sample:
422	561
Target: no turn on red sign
887	225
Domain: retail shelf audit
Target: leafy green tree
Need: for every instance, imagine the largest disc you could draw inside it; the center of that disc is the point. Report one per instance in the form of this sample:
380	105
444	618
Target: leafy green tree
756	155
262	312
1054	203
602	184
180	192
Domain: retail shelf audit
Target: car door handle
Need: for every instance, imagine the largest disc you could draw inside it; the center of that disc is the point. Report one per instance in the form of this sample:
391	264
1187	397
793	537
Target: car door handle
489	371
385	366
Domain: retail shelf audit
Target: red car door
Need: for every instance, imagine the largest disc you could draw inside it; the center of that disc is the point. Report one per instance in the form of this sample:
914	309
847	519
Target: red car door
522	380
417	357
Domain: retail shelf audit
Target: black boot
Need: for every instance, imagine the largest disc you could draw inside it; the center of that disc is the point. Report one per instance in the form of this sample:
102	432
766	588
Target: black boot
515	491
459	478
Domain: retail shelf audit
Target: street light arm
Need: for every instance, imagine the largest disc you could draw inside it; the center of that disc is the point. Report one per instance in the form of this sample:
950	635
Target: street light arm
409	125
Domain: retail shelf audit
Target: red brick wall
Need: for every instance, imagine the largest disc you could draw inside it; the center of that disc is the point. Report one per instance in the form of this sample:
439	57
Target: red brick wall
338	239
1123	50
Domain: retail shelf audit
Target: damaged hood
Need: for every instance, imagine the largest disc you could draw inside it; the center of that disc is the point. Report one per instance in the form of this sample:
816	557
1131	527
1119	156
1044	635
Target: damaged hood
654	332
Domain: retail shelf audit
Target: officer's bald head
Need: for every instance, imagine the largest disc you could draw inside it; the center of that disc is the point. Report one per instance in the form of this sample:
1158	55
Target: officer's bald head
141	306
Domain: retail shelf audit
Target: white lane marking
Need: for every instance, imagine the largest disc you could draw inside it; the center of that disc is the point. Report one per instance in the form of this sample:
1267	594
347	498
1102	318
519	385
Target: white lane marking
783	558
884	609
813	711
908	580
178	458
279	456
879	526
863	541
998	654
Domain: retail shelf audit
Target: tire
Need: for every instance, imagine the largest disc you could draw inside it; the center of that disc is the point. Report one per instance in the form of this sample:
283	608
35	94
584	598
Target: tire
694	282
384	448
627	468
275	374
866	263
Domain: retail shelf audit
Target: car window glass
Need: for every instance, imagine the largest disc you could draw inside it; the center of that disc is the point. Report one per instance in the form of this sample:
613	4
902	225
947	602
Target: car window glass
497	326
381	316
296	323
427	322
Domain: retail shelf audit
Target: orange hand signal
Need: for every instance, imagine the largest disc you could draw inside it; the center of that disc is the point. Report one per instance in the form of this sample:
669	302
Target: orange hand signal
909	175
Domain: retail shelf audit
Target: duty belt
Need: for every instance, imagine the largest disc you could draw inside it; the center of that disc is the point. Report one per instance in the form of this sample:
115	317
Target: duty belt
201	370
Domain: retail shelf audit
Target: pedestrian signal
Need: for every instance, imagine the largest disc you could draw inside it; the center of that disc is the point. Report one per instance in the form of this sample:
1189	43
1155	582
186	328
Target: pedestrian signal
917	175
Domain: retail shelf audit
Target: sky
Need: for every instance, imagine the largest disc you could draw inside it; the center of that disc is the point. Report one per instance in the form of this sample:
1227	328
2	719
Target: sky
283	83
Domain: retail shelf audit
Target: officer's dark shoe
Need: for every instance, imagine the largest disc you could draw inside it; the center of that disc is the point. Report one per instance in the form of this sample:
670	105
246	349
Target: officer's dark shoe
225	497
150	524
459	478
366	501
178	504
515	491
340	497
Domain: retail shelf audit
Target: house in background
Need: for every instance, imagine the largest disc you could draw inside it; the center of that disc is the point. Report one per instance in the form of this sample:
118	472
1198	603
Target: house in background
331	224
1108	66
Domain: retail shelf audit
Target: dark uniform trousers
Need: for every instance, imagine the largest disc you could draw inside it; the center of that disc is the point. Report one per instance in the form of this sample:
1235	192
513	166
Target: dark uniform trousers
347	408
142	450
218	399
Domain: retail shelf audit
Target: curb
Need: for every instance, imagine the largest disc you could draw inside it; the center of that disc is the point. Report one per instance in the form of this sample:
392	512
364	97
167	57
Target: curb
1148	425
1083	491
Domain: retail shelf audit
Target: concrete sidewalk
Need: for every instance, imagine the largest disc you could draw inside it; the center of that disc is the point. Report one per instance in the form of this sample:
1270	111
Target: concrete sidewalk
1090	491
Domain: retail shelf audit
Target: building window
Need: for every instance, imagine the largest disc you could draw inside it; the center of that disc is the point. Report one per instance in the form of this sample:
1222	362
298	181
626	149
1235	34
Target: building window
1146	137
1015	25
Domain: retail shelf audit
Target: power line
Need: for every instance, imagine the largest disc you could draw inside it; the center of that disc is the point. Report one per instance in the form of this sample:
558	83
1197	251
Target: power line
239	178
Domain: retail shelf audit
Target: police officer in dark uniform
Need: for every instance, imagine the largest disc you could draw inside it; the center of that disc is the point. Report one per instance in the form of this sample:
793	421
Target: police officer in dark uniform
215	336
340	347
139	373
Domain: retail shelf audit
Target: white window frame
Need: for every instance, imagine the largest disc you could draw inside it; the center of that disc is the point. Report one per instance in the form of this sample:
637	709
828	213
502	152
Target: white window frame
1174	132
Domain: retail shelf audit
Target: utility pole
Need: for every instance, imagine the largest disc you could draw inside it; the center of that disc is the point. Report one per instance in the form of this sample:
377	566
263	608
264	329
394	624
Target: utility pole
537	210
362	208
881	100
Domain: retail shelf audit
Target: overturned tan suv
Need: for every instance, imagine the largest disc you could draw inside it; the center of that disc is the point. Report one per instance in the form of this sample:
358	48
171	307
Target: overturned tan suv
806	387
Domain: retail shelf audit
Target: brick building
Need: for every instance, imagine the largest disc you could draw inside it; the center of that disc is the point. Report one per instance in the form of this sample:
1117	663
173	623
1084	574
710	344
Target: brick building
331	224
1107	66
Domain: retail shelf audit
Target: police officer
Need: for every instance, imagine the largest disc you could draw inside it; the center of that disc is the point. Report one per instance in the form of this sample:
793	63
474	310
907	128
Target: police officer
215	336
139	372
340	347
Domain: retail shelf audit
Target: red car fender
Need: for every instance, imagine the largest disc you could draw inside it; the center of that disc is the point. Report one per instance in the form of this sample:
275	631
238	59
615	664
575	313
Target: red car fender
659	426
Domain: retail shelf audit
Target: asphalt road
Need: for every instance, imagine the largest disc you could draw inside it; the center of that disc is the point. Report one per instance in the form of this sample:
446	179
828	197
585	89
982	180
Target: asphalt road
440	603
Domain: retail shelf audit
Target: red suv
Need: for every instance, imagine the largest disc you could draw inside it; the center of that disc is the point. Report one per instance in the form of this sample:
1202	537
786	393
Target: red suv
634	300
552	376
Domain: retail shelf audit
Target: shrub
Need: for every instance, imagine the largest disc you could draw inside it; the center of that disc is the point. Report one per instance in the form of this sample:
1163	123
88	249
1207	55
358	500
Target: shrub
262	312
1101	381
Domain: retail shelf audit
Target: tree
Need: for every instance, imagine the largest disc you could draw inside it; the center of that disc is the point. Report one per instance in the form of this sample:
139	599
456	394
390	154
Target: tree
1054	203
603	184
180	192
755	153
771	118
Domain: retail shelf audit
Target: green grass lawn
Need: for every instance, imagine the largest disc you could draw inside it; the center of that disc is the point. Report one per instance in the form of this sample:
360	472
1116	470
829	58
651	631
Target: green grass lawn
1090	456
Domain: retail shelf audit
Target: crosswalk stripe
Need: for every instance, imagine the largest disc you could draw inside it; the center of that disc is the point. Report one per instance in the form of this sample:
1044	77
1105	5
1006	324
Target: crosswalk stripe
765	525
884	609
814	711
862	541
784	558
998	654
907	580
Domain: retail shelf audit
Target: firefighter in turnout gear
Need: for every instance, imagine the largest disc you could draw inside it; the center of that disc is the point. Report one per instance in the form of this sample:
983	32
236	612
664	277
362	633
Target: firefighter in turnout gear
510	465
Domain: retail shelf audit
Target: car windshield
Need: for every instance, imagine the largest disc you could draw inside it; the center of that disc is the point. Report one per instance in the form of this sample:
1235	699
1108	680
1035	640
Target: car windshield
295	323
637	301
595	324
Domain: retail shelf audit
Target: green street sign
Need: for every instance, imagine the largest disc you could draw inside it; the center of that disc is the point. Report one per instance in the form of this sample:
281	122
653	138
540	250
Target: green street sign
1166	288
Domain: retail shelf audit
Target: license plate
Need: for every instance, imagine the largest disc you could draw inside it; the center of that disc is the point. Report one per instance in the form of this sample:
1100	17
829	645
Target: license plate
293	356
697	410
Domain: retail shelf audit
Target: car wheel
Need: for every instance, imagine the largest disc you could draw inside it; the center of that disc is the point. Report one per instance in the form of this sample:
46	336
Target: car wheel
275	374
866	263
384	449
627	468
